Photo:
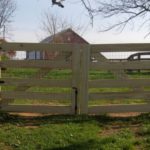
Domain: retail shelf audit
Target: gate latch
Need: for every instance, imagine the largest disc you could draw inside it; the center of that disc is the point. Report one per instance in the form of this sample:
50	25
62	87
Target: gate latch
76	96
2	82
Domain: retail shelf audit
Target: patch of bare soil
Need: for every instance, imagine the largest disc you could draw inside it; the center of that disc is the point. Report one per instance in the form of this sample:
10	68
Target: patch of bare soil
29	114
31	127
128	114
116	128
109	131
5	147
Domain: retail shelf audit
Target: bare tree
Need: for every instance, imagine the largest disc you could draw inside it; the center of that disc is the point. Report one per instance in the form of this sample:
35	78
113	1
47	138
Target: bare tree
85	3
52	24
123	12
7	9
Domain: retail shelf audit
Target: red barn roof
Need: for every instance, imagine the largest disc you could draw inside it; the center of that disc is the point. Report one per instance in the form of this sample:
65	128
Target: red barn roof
65	36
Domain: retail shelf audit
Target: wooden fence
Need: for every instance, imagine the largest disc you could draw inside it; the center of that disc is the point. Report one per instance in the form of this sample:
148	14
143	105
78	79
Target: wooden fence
80	65
44	66
121	79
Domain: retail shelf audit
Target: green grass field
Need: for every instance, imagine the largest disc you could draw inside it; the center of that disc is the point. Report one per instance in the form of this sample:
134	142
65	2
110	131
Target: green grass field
67	74
74	133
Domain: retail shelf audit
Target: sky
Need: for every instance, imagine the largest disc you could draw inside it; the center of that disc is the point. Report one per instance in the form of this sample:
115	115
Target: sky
26	25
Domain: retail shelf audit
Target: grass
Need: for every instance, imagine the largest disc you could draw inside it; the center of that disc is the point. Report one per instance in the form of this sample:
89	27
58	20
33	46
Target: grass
50	90
19	73
41	102
116	101
74	133
100	75
137	75
27	73
67	74
103	90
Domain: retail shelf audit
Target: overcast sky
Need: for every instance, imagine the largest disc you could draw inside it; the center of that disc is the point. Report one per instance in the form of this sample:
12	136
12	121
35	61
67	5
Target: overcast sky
26	25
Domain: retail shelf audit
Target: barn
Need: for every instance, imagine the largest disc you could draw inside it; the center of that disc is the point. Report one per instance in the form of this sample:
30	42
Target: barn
65	36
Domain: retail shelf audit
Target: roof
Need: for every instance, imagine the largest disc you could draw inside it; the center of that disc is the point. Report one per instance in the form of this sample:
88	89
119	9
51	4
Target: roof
50	39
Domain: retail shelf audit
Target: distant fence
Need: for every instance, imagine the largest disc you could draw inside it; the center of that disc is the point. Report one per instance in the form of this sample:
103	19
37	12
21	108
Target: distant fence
80	64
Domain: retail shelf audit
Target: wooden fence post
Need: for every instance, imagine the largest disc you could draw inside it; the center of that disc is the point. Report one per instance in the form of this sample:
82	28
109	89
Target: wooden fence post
0	78
84	72
75	78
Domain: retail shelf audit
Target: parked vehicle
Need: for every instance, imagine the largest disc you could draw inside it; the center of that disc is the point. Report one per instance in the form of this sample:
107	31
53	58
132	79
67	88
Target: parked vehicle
139	56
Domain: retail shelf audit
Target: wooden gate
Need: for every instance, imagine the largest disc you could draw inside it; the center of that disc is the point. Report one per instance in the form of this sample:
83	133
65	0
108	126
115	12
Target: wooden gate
120	74
77	61
63	56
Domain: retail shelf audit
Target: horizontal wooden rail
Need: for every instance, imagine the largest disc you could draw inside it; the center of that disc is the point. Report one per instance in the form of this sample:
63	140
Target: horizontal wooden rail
38	109
120	65
69	47
35	95
120	95
37	82
116	83
37	47
35	64
119	109
120	47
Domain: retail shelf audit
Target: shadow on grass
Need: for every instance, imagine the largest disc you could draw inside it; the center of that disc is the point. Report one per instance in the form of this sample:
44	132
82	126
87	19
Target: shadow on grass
58	119
93	144
87	145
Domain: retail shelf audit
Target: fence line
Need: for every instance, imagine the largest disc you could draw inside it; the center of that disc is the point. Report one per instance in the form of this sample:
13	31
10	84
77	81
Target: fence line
82	59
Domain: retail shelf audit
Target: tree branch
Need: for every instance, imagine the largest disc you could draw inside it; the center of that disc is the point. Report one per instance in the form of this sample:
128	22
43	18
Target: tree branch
118	9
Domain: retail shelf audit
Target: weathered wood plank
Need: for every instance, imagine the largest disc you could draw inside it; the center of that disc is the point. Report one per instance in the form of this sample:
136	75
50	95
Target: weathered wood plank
119	109
120	47
3	102
35	95
37	82
39	74
75	78
38	109
120	65
36	47
120	74
83	90
35	64
120	95
110	83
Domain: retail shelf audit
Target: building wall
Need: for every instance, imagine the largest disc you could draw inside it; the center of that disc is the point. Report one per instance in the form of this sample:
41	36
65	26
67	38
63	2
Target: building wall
34	55
68	36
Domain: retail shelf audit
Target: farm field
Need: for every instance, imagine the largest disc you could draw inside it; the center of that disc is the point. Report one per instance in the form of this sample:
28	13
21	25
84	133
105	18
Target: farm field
74	132
67	74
